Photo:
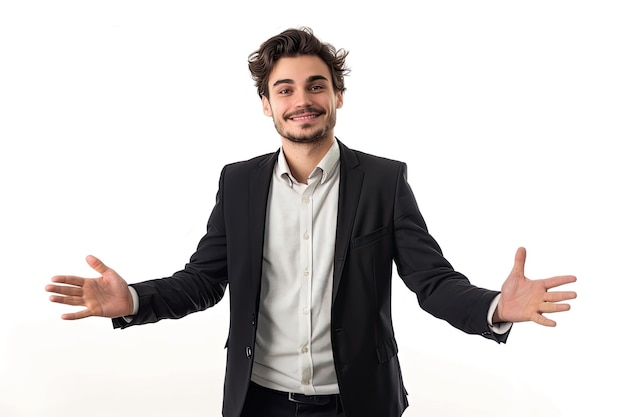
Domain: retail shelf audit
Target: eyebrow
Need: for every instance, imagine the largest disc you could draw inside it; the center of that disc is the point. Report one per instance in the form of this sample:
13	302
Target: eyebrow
308	80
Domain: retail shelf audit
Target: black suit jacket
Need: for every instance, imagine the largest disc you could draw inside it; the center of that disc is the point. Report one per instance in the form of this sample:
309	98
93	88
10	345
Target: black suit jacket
378	224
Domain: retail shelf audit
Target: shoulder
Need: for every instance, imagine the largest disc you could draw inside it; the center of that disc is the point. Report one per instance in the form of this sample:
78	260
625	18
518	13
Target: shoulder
252	163
364	160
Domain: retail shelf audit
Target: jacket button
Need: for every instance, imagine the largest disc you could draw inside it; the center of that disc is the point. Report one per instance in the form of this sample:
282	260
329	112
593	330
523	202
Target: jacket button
253	319
248	352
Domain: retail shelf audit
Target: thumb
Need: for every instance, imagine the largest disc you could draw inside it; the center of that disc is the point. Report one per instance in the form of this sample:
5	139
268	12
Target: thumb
520	260
96	264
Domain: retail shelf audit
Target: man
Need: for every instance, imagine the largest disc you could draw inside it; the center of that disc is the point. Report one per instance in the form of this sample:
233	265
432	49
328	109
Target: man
305	239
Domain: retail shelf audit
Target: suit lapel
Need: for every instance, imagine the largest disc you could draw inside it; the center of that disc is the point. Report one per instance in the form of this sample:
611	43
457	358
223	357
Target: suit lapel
260	179
350	182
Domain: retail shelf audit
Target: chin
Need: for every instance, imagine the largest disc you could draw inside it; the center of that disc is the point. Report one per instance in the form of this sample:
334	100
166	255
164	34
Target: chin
317	137
312	137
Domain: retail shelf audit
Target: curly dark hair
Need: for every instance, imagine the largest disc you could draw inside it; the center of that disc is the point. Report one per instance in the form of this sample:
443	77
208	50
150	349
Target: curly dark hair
291	43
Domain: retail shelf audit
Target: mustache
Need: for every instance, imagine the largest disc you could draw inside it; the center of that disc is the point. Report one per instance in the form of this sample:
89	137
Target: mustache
309	109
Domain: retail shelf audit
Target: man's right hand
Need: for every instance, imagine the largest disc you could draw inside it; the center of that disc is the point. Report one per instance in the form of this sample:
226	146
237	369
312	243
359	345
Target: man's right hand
106	296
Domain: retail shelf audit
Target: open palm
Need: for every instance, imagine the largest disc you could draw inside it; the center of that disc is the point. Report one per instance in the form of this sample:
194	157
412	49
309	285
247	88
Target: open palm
523	299
106	296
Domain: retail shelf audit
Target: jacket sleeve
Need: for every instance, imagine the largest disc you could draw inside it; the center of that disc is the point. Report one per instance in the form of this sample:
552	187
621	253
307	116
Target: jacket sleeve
441	291
200	285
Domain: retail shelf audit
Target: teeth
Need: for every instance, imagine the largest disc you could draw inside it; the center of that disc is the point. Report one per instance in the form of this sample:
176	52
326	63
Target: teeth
304	117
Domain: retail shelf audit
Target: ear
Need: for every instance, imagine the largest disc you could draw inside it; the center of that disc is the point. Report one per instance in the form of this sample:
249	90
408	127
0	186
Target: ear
339	100
267	108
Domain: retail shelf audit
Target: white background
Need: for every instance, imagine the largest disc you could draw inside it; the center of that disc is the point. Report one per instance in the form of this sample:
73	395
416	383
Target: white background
117	116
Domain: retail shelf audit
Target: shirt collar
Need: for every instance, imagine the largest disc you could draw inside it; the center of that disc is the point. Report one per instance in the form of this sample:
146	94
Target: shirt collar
327	165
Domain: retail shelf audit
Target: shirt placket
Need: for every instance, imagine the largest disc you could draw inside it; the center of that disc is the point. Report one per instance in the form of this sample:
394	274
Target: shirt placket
306	290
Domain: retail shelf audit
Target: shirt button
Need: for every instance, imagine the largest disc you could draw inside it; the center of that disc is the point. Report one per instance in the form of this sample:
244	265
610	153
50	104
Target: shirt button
305	350
305	236
305	311
306	200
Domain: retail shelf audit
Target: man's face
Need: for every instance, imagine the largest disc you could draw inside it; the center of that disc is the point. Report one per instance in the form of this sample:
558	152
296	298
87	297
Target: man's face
302	101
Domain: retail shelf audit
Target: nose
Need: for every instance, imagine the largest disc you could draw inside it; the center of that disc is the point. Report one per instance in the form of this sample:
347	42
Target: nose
302	98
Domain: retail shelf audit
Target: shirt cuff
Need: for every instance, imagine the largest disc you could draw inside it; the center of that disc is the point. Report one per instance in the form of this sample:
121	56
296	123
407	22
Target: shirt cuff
135	296
499	328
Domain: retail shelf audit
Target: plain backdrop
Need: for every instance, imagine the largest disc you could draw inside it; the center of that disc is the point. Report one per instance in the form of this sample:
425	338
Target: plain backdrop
116	118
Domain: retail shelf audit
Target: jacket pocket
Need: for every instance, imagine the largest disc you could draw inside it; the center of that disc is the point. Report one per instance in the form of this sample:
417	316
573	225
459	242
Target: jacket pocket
370	237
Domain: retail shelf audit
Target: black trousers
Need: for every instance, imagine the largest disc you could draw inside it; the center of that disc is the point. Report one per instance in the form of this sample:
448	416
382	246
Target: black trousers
265	402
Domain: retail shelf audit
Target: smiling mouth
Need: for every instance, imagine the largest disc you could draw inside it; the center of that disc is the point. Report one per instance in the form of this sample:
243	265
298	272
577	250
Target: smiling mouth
308	114
304	117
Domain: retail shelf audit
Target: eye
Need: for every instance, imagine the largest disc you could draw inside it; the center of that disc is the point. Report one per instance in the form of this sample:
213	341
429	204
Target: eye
317	88
284	91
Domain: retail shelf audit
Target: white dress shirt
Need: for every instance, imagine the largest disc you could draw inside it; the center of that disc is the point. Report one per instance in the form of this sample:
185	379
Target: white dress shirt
293	348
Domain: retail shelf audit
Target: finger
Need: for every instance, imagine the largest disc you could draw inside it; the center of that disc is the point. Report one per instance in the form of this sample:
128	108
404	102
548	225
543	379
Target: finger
559	280
556	296
520	260
64	289
554	307
97	264
68	300
544	321
76	315
69	280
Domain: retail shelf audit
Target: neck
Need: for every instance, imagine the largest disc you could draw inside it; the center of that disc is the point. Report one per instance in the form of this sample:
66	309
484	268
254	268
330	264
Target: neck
302	158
